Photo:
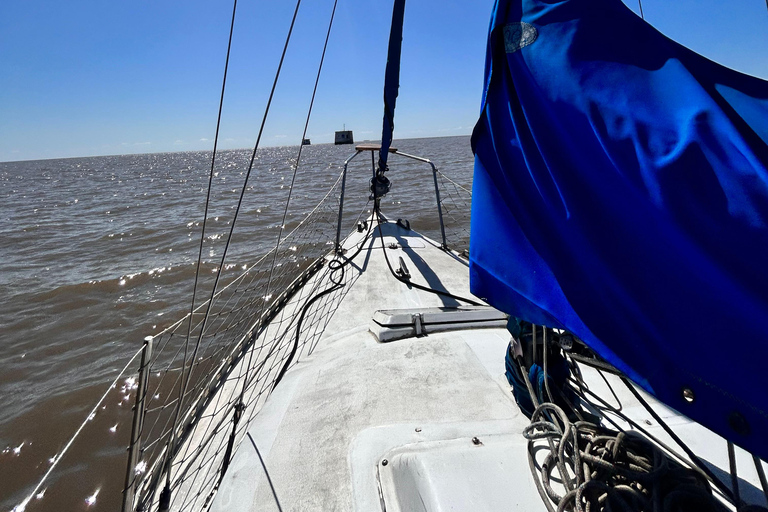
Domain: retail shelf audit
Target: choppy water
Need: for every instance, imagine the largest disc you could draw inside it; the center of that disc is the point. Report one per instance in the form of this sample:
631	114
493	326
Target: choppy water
96	253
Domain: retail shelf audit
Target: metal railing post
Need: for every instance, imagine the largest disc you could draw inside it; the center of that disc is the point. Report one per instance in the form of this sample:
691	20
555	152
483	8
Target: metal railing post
134	448
341	201
439	206
437	192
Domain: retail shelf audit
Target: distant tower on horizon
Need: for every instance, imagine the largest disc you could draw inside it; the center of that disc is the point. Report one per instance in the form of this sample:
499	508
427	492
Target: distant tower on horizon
344	137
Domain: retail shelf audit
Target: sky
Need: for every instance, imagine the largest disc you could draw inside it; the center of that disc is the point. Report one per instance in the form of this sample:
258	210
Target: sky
88	77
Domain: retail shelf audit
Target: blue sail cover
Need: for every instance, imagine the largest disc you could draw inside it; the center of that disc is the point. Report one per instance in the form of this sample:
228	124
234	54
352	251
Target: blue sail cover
621	192
391	81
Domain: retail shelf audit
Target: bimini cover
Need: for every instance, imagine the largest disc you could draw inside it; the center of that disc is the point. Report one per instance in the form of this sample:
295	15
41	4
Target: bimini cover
621	192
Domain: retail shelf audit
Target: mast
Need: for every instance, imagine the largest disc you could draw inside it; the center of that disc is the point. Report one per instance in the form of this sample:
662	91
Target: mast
391	87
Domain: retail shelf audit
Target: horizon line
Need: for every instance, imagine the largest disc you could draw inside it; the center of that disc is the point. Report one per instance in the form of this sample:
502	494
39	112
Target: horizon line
220	150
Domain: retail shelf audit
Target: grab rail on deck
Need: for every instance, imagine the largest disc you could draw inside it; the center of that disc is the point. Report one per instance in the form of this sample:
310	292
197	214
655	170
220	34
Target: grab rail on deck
377	147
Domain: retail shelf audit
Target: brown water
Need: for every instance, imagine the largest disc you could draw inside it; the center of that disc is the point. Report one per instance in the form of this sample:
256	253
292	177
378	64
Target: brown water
96	253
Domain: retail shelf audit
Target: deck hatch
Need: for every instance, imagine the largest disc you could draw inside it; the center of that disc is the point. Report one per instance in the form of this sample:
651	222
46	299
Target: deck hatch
394	324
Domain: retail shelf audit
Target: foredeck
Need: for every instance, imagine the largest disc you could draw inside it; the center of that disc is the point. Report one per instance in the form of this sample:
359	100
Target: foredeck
422	423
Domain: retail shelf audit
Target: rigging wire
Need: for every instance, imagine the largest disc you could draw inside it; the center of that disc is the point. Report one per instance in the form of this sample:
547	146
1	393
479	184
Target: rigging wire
240	405
640	3
559	463
57	458
298	160
734	474
182	385
609	408
761	476
571	436
696	460
165	494
606	407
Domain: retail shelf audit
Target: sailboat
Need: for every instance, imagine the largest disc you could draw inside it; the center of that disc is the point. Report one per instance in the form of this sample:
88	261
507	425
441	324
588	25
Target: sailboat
597	348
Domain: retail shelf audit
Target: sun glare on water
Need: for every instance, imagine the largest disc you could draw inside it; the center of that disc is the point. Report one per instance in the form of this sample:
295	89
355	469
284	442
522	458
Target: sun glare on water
90	500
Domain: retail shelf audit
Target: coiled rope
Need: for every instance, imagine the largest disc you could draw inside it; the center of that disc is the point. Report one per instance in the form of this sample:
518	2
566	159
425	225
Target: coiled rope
610	470
613	470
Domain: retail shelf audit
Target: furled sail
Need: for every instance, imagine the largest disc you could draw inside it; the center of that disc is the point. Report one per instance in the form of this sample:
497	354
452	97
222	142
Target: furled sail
391	81
621	192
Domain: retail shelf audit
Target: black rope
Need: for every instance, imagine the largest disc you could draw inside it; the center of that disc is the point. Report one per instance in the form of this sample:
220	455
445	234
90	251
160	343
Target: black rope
405	280
610	388
640	3
269	480
583	390
334	266
607	407
301	146
169	452
612	470
703	467
274	346
613	488
595	363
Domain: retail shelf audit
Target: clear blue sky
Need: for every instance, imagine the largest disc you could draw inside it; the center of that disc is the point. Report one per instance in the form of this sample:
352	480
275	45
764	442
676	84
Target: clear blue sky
87	77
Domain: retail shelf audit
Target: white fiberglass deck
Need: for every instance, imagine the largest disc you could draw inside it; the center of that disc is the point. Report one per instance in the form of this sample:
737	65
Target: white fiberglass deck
321	440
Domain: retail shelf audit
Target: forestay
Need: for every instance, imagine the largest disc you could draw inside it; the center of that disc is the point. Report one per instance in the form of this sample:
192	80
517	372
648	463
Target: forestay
621	192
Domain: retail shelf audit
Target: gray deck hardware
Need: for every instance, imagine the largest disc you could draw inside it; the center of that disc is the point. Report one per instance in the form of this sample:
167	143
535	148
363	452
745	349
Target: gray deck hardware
395	324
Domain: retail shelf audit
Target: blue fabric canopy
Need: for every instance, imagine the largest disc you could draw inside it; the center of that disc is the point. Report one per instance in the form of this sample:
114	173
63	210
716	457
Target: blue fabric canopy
621	192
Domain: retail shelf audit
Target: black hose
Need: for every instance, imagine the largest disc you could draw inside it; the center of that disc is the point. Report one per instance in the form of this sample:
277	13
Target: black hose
415	285
334	266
